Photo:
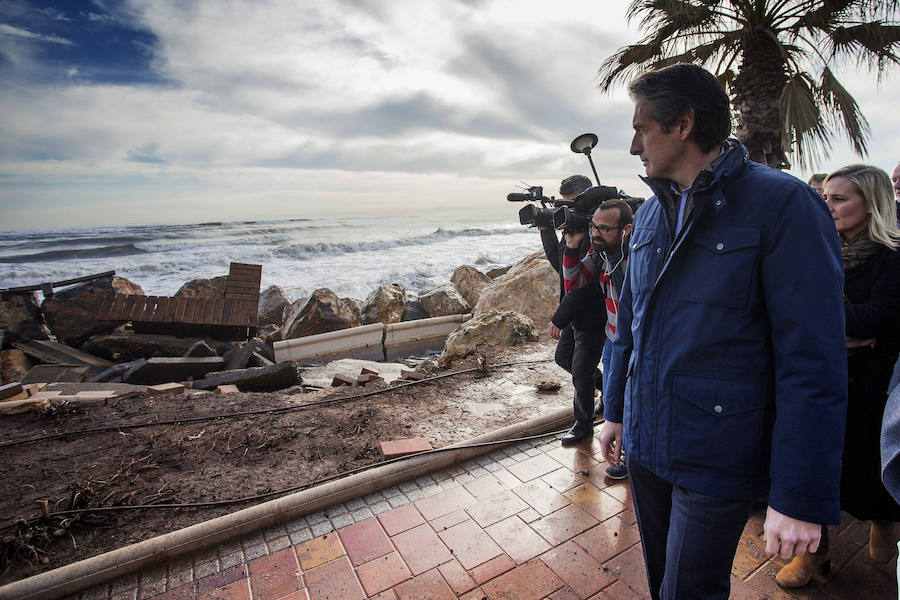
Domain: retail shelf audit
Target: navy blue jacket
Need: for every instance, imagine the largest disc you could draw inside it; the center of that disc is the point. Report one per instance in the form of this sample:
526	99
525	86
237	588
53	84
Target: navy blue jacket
731	339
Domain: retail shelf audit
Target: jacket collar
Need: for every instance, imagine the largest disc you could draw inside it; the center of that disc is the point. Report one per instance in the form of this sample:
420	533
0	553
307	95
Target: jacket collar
725	166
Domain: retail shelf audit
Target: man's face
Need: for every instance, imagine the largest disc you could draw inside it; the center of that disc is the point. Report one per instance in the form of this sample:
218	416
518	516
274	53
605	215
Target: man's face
606	235
660	152
895	178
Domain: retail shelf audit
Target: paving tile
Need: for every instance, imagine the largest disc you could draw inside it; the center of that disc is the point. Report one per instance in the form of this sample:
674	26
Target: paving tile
275	575
382	573
397	501
448	521
529	515
323	528
628	567
541	496
385	595
485	486
476	594
239	590
342	520
296	538
517	539
360	514
621	491
185	591
563	524
578	569
496	508
597	502
531	581
421	548
492	568
563	479
427	586
507	478
620	591
364	541
221	579
445	502
455	575
750	556
611	537
318	551
469	544
564	594
152	582
179	573
380	507
534	467
334	580
400	519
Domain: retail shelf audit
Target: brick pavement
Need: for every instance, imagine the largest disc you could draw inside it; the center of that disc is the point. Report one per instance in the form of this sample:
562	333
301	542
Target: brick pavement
530	521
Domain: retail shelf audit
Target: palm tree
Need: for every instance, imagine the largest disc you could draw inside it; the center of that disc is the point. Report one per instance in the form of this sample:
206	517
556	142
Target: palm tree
775	59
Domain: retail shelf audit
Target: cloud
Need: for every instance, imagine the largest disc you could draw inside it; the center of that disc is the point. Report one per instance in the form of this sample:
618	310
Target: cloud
9	30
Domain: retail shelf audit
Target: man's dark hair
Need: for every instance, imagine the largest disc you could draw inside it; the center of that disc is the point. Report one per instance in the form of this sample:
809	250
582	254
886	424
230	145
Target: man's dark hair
574	184
625	214
675	89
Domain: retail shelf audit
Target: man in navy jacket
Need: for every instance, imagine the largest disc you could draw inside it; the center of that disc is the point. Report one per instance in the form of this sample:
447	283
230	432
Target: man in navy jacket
727	381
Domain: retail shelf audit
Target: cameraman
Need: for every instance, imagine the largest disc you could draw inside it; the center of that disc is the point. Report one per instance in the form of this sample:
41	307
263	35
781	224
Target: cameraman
591	283
569	188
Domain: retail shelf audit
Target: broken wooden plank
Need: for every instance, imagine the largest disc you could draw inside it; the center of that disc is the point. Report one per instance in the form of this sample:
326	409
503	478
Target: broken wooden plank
49	351
11	389
64	282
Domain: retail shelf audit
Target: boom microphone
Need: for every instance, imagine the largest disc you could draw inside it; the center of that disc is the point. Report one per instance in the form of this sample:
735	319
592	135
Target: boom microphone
515	197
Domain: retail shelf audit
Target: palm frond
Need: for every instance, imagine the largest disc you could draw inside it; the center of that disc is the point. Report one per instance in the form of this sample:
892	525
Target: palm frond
872	43
844	111
802	126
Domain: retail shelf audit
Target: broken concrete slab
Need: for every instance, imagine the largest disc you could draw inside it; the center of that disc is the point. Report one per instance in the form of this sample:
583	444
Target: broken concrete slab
51	373
321	377
124	347
394	448
11	389
367	378
166	388
115	372
258	360
49	351
70	389
254	379
228	388
200	348
165	369
239	357
340	379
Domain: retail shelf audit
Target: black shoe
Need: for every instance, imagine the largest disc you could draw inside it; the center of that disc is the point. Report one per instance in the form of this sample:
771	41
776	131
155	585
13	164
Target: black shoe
617	471
576	434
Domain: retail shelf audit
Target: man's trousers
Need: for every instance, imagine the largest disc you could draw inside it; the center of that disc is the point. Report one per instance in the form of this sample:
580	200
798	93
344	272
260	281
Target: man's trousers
689	539
585	359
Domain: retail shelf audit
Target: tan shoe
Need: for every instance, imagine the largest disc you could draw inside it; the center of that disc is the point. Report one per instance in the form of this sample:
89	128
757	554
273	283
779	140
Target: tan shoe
799	571
881	542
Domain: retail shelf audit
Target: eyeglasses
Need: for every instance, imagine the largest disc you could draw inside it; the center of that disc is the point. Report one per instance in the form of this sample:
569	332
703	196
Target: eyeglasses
604	229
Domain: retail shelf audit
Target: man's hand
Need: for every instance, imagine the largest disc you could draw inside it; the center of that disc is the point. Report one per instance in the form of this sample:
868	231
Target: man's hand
573	238
789	537
611	442
554	331
860	343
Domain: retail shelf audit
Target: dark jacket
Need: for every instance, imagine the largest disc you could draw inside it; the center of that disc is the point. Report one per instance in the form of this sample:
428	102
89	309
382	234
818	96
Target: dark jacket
554	248
738	318
872	290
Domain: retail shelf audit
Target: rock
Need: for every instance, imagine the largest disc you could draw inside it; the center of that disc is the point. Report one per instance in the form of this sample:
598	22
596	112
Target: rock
469	281
13	365
492	328
239	357
72	313
349	368
384	305
200	348
270	335
20	318
272	302
443	301
531	287
495	273
355	305
257	379
413	311
167	369
123	347
203	288
323	311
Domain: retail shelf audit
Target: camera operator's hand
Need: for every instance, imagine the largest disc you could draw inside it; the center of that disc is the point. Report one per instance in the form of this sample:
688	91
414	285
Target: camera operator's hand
573	238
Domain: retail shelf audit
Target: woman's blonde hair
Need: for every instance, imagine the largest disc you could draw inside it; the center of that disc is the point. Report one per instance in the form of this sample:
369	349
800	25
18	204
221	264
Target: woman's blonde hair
874	185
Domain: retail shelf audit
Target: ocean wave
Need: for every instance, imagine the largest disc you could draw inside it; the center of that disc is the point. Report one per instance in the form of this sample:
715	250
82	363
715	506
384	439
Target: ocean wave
77	253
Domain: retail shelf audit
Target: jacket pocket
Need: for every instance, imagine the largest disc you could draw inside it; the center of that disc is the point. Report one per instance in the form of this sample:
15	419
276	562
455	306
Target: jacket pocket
641	262
725	260
717	424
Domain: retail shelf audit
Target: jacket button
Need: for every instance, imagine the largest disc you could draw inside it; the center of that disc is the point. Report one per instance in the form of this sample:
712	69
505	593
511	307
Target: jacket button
634	246
720	246
659	250
718	203
717	408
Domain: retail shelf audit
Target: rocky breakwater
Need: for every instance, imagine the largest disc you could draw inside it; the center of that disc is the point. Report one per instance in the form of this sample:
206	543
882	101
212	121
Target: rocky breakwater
61	339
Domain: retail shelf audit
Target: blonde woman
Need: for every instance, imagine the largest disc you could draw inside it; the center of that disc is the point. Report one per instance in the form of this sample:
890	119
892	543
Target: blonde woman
861	202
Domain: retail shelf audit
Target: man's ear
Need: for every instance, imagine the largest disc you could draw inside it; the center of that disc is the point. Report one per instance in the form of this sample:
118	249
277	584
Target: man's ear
627	230
685	124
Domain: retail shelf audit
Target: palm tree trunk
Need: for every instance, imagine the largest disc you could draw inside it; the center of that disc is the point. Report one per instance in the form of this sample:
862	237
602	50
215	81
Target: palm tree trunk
757	91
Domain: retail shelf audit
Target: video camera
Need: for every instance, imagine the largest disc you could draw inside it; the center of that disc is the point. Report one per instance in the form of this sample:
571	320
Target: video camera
567	215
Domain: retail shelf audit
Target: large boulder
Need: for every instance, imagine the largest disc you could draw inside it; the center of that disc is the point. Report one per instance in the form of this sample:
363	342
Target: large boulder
469	281
323	311
204	288
20	318
414	311
443	301
530	287
489	329
72	313
355	305
272	302
385	304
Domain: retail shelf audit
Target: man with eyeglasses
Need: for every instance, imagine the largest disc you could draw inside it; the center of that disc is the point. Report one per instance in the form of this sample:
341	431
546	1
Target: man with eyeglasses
591	283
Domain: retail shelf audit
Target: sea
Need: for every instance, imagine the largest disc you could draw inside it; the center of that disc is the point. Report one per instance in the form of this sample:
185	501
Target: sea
350	254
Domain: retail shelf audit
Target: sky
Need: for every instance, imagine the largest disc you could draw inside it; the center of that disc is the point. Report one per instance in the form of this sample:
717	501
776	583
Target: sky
175	111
